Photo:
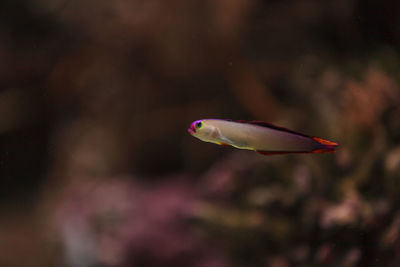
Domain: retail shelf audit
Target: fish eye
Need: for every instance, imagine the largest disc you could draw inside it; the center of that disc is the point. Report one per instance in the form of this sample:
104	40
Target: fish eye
198	125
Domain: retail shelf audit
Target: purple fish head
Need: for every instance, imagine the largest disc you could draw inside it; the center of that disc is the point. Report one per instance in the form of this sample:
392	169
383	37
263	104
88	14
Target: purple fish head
194	126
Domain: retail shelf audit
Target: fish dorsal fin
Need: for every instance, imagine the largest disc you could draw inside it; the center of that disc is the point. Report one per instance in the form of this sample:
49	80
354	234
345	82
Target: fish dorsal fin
271	126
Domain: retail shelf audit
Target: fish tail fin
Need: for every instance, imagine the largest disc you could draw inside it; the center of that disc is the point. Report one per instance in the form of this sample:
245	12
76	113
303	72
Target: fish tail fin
326	146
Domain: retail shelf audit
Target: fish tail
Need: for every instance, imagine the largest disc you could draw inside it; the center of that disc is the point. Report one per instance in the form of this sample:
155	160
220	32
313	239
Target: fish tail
326	146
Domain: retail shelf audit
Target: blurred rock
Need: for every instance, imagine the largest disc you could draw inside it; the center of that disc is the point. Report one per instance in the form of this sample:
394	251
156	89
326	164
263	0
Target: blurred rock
113	223
392	161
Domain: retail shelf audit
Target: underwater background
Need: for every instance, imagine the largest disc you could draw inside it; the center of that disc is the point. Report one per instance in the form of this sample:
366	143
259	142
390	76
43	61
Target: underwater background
97	167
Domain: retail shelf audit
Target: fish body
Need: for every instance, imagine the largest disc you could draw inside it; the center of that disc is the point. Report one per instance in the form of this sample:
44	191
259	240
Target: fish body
258	136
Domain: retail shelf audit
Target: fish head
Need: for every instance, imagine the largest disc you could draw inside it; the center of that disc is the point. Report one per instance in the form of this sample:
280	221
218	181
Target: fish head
201	129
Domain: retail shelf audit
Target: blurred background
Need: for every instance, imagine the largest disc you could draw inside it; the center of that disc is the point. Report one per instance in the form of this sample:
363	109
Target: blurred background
96	165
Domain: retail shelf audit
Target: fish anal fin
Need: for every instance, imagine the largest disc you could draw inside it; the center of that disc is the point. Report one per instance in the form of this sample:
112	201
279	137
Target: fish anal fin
324	150
268	153
317	151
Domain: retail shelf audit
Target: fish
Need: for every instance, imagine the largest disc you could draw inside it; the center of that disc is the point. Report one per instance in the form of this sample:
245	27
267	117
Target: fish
261	137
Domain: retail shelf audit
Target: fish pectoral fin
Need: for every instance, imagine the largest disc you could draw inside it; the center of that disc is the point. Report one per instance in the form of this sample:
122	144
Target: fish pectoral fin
225	141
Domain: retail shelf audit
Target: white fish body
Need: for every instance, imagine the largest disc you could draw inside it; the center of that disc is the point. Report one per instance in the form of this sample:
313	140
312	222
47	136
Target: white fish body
258	136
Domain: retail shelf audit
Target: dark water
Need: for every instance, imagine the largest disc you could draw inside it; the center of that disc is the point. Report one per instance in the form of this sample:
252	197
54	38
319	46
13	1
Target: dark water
97	167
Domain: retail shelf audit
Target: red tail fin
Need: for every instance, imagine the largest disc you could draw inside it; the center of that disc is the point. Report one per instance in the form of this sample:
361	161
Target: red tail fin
325	142
327	146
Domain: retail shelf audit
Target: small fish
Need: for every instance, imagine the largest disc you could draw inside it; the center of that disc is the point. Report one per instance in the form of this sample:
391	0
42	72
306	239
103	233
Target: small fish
261	137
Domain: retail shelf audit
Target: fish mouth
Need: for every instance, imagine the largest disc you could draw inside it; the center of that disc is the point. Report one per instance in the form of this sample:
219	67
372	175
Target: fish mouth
192	129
